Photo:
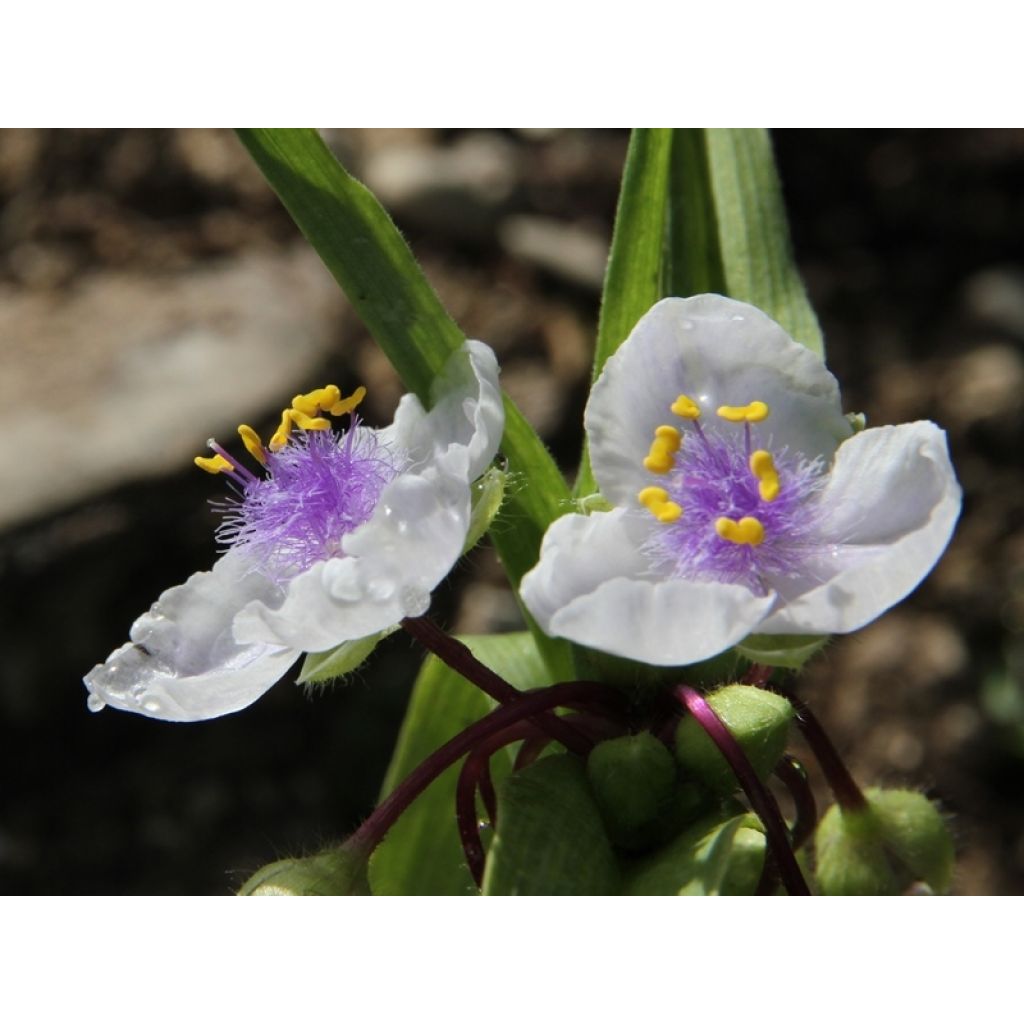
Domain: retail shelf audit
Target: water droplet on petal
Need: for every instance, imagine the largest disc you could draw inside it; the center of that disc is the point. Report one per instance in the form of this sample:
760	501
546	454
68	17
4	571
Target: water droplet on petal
380	589
152	705
94	703
415	600
687	325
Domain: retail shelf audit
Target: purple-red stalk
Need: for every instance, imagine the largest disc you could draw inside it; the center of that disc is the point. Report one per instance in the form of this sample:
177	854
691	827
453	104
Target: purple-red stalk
761	800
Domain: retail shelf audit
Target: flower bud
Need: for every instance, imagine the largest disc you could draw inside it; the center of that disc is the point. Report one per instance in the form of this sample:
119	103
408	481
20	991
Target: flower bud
759	721
898	842
633	779
337	872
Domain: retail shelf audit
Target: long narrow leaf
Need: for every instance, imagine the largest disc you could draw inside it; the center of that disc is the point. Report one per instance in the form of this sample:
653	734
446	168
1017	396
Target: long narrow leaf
729	231
633	280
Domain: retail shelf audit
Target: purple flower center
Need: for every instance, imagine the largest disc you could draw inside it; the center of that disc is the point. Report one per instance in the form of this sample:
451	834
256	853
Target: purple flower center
711	478
318	488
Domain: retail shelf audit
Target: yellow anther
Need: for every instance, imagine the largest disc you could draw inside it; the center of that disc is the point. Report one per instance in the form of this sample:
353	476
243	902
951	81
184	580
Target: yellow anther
763	467
669	437
665	444
686	408
253	444
747	531
300	419
214	464
754	412
655	500
280	437
344	405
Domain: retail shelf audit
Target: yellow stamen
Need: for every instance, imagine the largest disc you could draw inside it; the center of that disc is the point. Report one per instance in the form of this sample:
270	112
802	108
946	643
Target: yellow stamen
655	500
253	444
763	467
747	531
754	412
686	408
280	437
304	422
214	464
665	444
344	405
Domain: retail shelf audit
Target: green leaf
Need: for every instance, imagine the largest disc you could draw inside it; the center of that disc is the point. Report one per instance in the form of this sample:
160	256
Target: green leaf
363	249
696	863
633	280
550	840
781	651
422	855
728	228
324	666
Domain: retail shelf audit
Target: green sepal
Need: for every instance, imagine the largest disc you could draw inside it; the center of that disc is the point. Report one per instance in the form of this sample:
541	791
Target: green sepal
712	857
324	666
550	839
633	779
487	495
337	872
758	720
781	651
899	841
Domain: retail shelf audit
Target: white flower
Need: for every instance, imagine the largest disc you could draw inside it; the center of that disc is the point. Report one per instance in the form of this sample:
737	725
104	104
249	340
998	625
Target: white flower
339	537
742	503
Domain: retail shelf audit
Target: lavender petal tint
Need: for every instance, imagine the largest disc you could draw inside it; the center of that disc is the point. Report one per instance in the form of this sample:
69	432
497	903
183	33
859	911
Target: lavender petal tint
319	487
712	478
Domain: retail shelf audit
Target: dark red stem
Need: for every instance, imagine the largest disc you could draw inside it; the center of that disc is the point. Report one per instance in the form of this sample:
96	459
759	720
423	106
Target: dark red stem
527	705
846	791
456	655
761	800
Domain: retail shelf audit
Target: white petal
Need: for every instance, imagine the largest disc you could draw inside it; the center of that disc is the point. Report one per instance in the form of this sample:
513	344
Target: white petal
719	352
392	564
183	664
593	586
893	500
467	413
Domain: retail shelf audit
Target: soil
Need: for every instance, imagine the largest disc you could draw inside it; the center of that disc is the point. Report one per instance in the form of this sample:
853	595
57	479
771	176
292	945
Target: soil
908	241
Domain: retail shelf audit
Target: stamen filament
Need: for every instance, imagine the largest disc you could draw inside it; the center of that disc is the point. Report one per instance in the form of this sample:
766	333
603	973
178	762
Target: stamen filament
236	466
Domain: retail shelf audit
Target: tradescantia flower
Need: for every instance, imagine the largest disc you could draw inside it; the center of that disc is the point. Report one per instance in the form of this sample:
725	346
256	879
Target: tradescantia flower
337	536
743	500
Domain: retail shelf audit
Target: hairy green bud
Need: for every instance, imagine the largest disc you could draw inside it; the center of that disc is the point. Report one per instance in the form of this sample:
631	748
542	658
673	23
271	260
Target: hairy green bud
337	872
890	848
758	719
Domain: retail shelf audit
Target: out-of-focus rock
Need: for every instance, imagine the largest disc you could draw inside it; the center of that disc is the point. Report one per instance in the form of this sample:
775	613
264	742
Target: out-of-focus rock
532	386
574	252
459	191
984	384
997	297
127	376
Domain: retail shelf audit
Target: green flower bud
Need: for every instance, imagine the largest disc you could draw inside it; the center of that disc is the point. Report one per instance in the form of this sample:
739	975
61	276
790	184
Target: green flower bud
758	719
337	872
746	863
898	842
633	779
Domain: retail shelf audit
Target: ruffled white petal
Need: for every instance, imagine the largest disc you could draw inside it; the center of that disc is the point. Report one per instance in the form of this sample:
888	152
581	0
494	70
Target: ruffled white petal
466	420
593	585
892	501
183	664
392	564
719	352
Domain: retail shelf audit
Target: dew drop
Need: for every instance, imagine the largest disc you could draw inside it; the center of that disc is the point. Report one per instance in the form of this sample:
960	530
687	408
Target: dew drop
687	325
94	703
151	705
415	600
380	589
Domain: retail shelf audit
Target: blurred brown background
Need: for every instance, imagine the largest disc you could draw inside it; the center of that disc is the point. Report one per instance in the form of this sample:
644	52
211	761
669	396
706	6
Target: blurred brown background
153	292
